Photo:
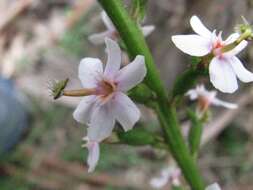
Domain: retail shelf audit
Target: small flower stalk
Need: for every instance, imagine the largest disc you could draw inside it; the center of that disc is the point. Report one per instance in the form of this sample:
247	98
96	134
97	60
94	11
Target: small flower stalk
224	67
112	32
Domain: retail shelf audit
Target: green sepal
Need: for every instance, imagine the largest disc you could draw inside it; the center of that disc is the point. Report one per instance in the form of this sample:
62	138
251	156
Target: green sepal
141	94
138	10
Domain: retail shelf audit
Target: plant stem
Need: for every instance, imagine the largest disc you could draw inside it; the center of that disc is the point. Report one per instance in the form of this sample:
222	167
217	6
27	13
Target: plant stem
136	45
195	133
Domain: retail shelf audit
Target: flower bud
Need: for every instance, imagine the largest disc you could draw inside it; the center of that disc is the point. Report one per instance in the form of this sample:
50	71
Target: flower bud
137	137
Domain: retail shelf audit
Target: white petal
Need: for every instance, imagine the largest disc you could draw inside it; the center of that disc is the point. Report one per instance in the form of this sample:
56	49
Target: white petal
242	73
237	49
218	102
90	69
99	38
214	186
132	74
102	123
107	21
125	111
93	155
194	45
199	27
82	113
193	95
232	38
146	30
222	75
114	58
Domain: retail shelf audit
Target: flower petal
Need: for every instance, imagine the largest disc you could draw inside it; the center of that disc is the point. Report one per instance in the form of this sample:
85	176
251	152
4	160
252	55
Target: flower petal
146	30
237	49
218	102
192	44
242	73
222	75
99	38
193	95
125	111
199	27
232	38
107	21
214	186
102	123
114	58
90	70
82	113
93	155
132	74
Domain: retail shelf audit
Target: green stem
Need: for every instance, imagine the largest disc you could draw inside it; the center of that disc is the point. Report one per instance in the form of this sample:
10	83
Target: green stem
195	133
178	148
136	45
134	41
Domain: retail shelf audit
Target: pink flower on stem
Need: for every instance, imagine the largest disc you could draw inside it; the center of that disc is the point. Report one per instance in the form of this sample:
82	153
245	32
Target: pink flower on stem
225	67
105	100
214	186
206	98
111	31
169	175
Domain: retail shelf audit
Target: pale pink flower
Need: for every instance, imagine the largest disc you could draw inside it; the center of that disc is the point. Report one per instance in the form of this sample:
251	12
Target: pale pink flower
108	102
224	68
170	175
206	98
93	153
214	186
111	31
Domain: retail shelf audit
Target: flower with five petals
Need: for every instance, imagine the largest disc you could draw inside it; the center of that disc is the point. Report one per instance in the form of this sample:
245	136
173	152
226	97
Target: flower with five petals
206	98
225	67
105	100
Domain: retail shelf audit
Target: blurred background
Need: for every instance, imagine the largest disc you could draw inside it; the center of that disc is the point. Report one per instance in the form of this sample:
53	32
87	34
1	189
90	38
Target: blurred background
40	143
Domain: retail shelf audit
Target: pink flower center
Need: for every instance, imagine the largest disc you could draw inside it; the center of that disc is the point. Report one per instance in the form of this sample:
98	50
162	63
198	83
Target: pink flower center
217	47
203	103
106	89
114	35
